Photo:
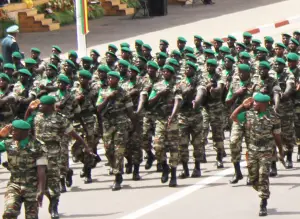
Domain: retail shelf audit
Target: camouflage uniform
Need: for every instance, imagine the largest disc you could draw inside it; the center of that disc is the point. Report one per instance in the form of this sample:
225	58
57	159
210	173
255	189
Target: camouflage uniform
261	128
22	187
7	110
115	126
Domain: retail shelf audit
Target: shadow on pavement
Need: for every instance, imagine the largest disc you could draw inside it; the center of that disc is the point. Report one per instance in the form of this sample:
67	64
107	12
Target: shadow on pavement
87	215
110	29
274	211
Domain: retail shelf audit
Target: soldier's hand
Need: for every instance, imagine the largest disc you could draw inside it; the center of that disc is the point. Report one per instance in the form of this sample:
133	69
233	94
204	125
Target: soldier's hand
164	92
248	102
170	119
298	87
281	156
241	91
39	198
113	95
34	104
80	98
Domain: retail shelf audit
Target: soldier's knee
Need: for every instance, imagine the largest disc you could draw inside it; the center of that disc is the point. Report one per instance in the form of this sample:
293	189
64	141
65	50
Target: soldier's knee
10	215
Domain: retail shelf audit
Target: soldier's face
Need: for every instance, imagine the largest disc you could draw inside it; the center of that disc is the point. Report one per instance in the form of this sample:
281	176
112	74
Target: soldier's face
278	67
125	55
86	65
211	68
190	71
247	40
292	46
254	46
244	60
167	74
151	71
285	40
296	36
217	44
268	45
240	49
19	134
228	63
140	63
161	61
67	68
138	47
146	52
132	74
73	59
222	54
83	81
180	45
50	72
54	51
34	55
257	105
54	61
244	76
24	78
292	64
3	83
197	42
102	75
110	49
110	58
123	69
94	56
163	47
261	55
43	108
263	72
279	51
112	81
62	85
230	42
8	71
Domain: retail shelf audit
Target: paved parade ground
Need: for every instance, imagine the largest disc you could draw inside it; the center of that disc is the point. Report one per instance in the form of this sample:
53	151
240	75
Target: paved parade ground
208	197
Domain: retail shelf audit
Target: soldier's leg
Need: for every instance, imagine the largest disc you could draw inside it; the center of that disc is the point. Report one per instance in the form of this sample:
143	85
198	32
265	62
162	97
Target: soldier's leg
64	161
108	133
30	203
236	137
98	132
183	149
148	125
128	154
196	133
89	160
297	132
253	168
12	201
137	153
205	131
288	138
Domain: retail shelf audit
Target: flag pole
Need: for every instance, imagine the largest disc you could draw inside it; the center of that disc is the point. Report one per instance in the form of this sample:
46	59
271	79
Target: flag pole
81	35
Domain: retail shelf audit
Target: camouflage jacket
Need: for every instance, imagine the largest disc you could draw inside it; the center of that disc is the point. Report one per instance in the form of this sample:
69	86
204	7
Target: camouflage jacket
131	85
6	110
270	85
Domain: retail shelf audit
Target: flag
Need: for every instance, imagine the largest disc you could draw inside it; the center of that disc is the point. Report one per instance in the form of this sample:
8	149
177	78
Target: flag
84	16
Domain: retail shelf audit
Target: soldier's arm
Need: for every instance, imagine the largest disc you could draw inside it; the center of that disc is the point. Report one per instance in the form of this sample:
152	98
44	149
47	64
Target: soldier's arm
200	97
238	115
277	135
7	99
218	90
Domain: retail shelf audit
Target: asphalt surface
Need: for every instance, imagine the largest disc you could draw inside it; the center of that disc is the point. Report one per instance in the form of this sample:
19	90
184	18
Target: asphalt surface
209	197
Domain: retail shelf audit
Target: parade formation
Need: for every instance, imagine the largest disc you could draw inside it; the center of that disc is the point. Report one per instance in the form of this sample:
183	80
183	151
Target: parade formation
148	106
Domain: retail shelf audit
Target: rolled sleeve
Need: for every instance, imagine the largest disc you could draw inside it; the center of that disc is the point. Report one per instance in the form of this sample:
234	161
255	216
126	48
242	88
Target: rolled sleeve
42	161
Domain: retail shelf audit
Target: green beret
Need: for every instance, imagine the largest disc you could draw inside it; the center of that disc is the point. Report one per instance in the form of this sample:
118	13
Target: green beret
241	45
292	57
64	78
212	62
244	67
21	124
126	49
247	34
181	39
265	64
280	45
162	55
176	52
147	46
245	55
192	65
191	55
286	34
208	43
87	59
124	45
134	68
269	39
5	76
280	60
169	67
230	57
57	48
189	49
54	56
104	68
231	37
256	41
70	63
9	66
30	61
96	52
173	62
124	63
139	42
73	53
225	49
153	64
164	41
17	55
198	37
293	40
114	74
111	53
47	100
142	58
25	72
262	98
297	32
113	47
85	73
1	58
52	66
262	49
219	40
209	51
36	50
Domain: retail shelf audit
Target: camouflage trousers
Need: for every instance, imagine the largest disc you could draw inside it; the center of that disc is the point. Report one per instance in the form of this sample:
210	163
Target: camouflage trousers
214	118
297	124
15	195
190	130
227	122
115	138
148	132
238	132
53	176
64	155
259	168
134	146
166	137
288	137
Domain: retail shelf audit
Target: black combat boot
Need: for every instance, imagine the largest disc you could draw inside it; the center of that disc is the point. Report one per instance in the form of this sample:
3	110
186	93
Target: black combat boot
173	181
150	160
185	173
136	172
128	166
69	179
62	184
53	208
263	208
220	160
197	171
159	167
273	171
88	175
298	155
237	175
289	162
117	183
165	173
